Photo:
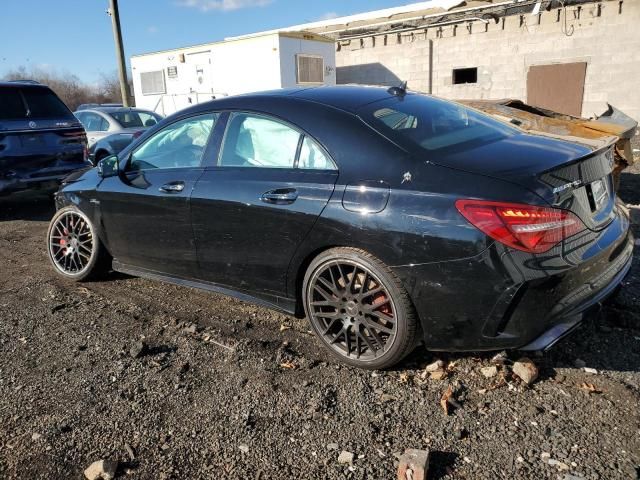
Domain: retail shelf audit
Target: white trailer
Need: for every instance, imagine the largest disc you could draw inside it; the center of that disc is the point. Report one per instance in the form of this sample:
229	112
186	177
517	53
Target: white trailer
171	80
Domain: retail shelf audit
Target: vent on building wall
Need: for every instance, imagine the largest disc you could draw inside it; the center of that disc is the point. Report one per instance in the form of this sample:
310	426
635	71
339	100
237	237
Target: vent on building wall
152	82
465	75
310	69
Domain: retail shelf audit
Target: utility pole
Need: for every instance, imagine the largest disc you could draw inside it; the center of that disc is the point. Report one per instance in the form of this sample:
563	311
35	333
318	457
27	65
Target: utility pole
117	37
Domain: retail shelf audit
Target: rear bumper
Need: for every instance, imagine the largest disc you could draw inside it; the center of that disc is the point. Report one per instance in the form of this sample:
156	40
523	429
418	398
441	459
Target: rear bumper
503	299
12	182
569	322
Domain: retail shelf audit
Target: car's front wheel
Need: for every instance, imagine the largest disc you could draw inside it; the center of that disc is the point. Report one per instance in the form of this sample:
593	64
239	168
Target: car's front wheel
359	309
74	248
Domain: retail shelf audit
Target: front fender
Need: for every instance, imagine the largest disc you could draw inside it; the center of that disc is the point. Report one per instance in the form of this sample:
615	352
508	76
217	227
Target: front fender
80	191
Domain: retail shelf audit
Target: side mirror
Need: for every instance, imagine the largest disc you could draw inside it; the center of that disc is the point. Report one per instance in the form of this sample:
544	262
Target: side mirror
108	166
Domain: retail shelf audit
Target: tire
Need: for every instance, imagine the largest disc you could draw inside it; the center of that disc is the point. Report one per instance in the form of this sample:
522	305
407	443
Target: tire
359	309
73	248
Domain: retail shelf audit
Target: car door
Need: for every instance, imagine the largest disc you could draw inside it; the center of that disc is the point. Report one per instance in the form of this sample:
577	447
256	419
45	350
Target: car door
145	209
253	209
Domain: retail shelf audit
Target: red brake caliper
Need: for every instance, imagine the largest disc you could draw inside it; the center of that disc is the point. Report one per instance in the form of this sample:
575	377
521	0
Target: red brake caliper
380	299
63	242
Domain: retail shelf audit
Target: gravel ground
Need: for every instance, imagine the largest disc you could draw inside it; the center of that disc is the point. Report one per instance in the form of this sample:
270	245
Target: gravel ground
224	389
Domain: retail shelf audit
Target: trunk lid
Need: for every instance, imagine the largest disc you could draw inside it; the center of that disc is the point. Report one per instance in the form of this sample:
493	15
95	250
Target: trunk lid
28	153
568	175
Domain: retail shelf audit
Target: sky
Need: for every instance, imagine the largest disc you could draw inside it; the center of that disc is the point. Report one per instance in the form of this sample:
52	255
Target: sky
75	36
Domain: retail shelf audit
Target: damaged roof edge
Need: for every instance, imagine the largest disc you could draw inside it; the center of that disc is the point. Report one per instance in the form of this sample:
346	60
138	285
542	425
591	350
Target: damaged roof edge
342	28
387	13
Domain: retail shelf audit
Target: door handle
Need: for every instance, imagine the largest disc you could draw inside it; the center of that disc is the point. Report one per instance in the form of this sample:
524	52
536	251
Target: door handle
173	187
280	196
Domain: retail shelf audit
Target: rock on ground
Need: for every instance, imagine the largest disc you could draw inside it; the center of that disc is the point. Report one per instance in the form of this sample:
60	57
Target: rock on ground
526	370
437	365
413	465
101	470
345	457
489	372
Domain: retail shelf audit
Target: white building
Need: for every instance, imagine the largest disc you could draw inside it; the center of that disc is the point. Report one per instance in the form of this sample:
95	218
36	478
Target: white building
171	80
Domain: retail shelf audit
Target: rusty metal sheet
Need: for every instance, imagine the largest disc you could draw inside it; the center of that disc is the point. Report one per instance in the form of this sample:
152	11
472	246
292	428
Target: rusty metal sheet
612	127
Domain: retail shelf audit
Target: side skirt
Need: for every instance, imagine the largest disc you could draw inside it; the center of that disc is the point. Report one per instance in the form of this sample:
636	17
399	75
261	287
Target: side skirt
281	304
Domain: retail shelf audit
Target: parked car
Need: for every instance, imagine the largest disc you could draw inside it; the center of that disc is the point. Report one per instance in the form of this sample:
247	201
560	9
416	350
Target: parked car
41	141
100	122
86	106
112	145
385	217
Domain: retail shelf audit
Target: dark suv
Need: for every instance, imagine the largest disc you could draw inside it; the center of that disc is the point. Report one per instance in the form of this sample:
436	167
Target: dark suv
41	142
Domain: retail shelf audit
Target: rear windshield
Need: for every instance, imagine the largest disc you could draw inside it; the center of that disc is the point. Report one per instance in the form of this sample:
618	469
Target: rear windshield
11	105
21	103
433	124
131	119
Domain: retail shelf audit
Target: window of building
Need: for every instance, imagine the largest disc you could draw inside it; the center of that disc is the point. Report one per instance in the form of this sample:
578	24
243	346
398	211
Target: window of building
310	69
152	83
465	75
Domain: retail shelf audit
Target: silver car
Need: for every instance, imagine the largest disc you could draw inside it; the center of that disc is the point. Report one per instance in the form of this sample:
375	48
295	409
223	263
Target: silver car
100	122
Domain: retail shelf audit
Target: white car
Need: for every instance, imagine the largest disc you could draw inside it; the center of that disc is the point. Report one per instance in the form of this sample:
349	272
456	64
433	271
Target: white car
100	122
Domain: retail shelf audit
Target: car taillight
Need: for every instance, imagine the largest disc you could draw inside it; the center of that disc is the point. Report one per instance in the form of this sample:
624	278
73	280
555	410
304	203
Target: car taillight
137	134
529	228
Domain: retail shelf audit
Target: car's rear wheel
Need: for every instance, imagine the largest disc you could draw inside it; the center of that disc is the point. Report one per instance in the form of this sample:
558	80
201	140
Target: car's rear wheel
359	308
73	246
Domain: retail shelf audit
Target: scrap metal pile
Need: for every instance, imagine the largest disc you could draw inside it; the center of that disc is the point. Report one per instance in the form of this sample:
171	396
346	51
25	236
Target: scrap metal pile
612	127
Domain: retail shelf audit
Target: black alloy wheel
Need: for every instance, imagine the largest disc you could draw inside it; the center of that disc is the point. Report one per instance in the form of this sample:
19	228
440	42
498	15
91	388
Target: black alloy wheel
359	309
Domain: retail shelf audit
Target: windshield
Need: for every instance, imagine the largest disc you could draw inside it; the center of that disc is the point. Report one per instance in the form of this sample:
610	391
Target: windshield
21	103
433	124
135	119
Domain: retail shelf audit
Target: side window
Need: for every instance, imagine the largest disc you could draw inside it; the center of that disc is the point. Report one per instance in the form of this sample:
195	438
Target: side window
95	123
256	141
313	157
104	124
82	119
179	145
147	119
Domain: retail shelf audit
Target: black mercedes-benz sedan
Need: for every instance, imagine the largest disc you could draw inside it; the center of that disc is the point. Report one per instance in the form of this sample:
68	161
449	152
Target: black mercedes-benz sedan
386	217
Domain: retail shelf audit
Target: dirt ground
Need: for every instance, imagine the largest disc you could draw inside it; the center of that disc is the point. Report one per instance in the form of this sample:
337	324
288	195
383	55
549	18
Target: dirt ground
229	390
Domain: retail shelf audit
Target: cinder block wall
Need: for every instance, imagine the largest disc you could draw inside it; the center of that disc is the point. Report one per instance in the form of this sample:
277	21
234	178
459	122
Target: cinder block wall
607	39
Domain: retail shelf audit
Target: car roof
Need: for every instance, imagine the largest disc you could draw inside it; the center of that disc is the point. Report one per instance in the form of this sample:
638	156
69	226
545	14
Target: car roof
348	98
344	97
23	83
113	110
